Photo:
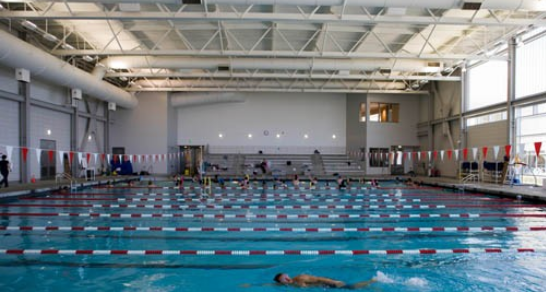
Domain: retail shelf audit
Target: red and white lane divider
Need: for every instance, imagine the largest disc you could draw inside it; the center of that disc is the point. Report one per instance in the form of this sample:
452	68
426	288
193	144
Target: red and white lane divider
425	251
273	229
333	187
273	195
263	200
270	207
277	216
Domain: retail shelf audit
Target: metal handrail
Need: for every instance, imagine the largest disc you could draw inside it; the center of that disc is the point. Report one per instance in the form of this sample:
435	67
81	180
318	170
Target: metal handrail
469	177
67	176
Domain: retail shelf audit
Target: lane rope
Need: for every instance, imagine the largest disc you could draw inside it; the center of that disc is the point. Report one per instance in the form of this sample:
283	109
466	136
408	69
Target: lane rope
262	200
276	216
271	207
425	251
273	229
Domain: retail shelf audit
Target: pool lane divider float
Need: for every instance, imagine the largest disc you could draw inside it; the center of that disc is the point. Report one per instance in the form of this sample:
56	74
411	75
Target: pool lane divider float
268	252
302	195
273	229
268	188
263	200
247	216
268	207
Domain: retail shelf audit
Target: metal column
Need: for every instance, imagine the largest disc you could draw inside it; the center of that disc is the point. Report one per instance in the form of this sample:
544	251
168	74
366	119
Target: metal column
512	46
24	129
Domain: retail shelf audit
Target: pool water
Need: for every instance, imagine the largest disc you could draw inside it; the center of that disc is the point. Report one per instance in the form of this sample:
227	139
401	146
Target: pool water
289	230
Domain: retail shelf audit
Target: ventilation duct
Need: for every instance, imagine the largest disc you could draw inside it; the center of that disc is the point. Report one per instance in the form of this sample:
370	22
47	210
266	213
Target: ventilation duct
196	99
16	53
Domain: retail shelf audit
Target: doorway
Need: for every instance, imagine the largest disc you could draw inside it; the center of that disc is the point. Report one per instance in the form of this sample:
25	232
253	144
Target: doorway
401	166
191	159
48	164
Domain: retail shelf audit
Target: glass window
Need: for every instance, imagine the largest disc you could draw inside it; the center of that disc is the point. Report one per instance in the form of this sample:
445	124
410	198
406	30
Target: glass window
485	119
384	112
487	84
362	112
531	68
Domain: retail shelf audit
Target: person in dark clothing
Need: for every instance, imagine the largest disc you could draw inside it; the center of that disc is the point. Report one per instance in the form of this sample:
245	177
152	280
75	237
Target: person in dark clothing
4	170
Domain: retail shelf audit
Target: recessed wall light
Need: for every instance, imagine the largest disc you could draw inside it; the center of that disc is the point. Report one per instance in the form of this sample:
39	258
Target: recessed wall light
334	136
48	132
220	135
249	136
305	136
278	136
89	137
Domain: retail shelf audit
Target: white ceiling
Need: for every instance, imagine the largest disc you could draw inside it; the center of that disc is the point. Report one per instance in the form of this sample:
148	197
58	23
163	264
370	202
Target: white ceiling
274	45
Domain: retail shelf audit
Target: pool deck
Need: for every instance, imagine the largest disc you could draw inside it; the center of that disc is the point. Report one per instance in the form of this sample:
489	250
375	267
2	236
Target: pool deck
527	192
19	189
534	193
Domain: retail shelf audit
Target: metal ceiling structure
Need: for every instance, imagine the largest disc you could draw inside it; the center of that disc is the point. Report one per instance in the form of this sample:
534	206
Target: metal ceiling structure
273	45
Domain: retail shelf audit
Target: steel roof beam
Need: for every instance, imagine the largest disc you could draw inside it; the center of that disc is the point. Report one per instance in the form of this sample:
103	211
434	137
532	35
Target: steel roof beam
264	16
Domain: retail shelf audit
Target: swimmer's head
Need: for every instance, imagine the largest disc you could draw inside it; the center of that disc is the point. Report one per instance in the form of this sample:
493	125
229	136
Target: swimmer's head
283	278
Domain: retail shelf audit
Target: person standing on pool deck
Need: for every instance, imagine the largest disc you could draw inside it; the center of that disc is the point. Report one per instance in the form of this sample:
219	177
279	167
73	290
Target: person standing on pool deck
303	280
4	170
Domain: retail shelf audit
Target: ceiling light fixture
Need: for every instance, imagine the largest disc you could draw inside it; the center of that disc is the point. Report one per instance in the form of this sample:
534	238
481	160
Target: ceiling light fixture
67	47
1	7
123	78
29	25
88	58
50	37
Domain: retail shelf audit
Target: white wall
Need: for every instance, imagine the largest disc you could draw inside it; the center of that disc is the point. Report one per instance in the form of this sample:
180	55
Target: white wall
7	80
388	134
9	121
40	121
143	130
290	114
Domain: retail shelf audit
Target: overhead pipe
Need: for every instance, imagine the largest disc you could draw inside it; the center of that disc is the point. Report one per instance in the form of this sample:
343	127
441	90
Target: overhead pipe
123	62
186	99
16	53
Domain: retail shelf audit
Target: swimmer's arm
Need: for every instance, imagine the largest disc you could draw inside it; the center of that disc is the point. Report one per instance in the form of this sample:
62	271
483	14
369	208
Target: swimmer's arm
323	281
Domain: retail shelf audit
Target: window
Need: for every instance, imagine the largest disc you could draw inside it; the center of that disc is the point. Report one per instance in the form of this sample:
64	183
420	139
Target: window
487	84
531	68
485	119
379	157
362	116
384	112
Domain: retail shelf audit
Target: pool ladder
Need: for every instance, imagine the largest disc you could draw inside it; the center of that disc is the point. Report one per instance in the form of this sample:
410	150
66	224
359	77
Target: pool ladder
470	177
67	176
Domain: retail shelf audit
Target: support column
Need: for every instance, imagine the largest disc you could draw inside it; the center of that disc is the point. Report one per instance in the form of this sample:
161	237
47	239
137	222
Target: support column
74	141
24	129
107	132
512	46
464	93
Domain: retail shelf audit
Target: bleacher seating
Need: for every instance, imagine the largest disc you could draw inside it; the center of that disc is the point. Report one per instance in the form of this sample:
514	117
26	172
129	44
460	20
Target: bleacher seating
341	164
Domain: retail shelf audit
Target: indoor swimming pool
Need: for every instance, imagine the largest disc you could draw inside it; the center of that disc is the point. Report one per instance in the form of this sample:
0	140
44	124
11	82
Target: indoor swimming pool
233	239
